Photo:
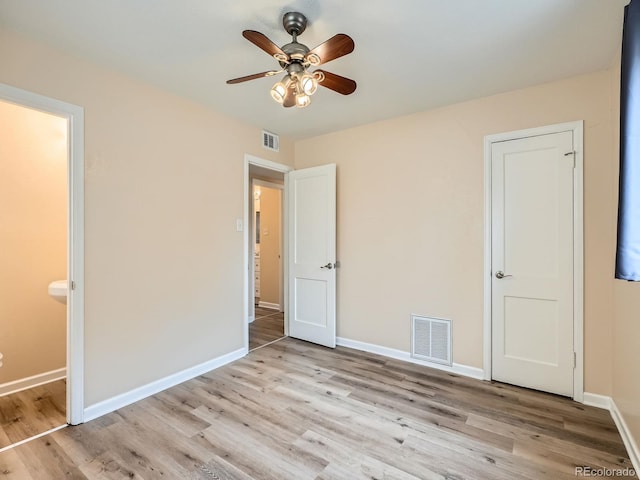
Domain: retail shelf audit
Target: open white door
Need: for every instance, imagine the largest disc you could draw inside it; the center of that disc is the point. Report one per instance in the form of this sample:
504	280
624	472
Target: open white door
311	195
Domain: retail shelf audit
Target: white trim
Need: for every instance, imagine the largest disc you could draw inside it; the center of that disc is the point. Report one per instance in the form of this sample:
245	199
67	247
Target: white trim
464	370
269	305
251	318
270	315
75	238
486	361
607	403
247	269
578	260
273	185
486	272
267	344
629	442
33	381
27	440
597	400
114	403
578	243
268	164
285	249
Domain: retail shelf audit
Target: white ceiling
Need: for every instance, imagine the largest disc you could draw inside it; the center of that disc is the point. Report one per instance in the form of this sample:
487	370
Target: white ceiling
410	55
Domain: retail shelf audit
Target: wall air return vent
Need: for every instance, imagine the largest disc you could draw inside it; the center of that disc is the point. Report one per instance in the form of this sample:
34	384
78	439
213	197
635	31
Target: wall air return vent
431	339
270	141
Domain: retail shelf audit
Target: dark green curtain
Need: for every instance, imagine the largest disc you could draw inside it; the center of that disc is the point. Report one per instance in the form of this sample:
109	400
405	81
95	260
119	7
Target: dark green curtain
628	249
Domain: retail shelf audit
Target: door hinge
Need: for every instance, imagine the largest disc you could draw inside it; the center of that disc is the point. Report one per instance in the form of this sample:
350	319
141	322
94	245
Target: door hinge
573	157
73	285
575	360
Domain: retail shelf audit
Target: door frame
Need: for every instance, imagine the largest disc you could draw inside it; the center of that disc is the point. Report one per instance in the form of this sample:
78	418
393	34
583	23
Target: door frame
577	129
247	267
75	237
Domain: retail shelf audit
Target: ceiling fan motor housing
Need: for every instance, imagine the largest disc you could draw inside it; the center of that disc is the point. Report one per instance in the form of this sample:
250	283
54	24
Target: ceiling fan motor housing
296	51
294	69
294	23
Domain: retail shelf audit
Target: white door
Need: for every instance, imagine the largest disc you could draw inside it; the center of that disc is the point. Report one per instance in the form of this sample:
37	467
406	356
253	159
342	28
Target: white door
532	262
311	195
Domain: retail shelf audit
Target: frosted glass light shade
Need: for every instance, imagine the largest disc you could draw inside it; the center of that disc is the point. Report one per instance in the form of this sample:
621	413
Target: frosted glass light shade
278	92
309	84
302	100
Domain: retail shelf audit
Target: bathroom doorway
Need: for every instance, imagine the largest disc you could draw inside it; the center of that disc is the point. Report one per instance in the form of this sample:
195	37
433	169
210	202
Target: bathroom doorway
267	311
33	254
41	251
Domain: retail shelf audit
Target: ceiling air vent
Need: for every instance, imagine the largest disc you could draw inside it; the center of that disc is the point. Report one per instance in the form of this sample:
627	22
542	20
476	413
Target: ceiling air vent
270	141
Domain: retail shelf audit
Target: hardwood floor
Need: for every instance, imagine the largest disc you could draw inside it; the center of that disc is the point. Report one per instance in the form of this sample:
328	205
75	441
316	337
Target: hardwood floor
33	411
292	410
267	327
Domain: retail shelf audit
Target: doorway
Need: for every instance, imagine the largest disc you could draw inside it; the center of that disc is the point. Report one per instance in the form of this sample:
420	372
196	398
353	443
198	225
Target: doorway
268	272
309	250
266	300
33	211
70	119
533	259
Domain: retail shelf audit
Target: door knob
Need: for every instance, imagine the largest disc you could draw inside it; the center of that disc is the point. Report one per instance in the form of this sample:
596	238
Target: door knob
500	274
328	266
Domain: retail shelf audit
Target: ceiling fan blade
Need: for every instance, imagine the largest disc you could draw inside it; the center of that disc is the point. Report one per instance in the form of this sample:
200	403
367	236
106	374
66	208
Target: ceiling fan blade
339	84
336	47
290	98
261	41
252	77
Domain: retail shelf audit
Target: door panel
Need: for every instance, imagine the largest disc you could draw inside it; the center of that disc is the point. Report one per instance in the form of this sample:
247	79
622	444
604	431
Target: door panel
312	246
532	244
311	304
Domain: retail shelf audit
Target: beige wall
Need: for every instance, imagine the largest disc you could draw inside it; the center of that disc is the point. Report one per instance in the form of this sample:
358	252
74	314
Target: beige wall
626	308
33	236
410	216
163	190
270	226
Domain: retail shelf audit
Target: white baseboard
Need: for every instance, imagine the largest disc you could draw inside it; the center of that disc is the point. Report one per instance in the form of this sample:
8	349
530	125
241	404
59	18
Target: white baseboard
627	437
30	382
596	400
114	403
251	319
607	403
457	368
269	305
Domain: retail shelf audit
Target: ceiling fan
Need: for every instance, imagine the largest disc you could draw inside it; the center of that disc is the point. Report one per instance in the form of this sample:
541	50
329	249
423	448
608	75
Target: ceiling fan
298	83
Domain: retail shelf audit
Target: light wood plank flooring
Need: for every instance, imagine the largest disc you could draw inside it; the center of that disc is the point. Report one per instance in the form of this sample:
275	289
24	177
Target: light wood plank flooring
292	410
267	327
33	411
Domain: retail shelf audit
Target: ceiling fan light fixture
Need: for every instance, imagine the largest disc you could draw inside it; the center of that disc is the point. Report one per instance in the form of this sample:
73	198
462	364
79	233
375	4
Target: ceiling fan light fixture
279	90
302	100
308	84
295	58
